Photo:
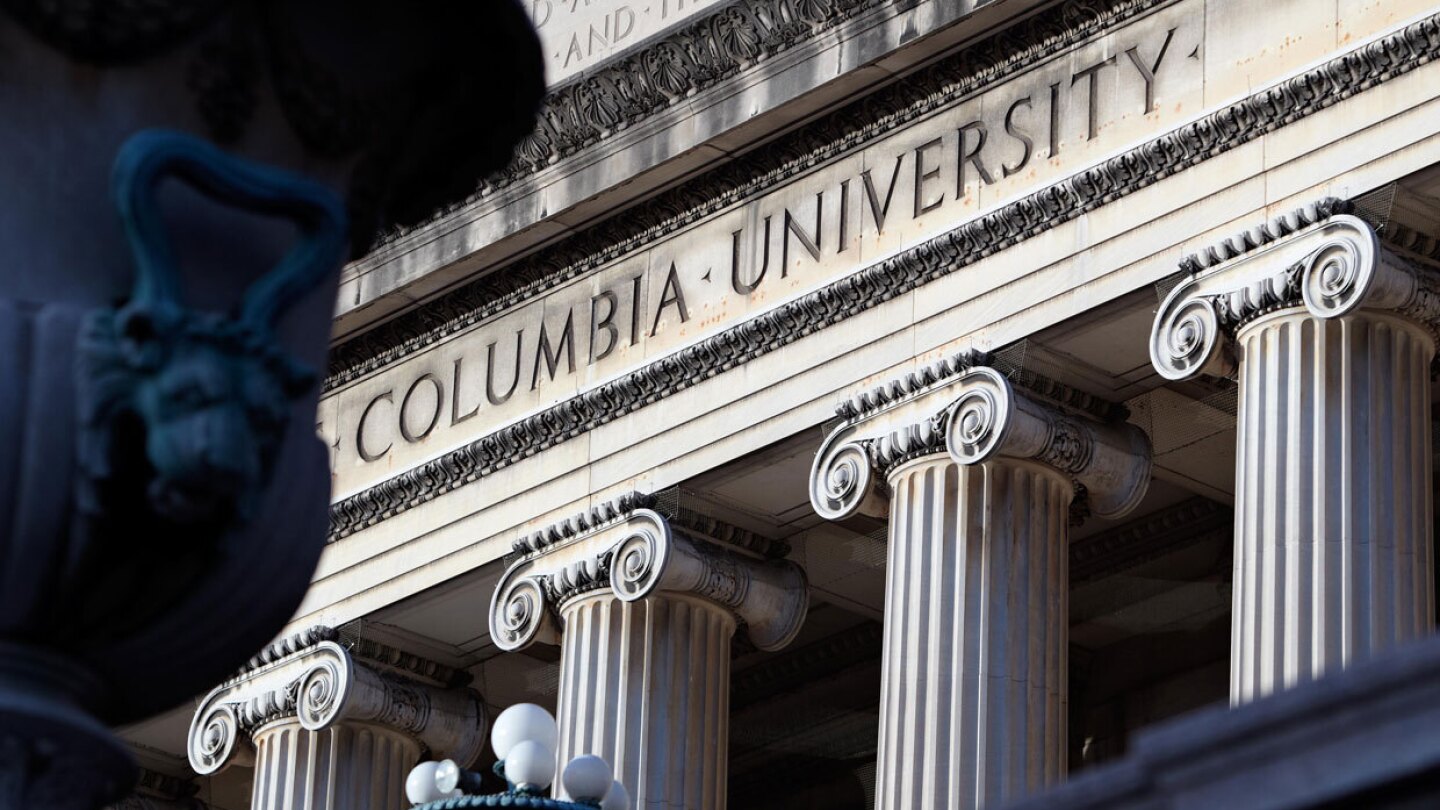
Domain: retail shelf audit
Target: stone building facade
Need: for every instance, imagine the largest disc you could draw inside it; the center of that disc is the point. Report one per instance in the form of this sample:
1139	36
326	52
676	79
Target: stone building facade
848	404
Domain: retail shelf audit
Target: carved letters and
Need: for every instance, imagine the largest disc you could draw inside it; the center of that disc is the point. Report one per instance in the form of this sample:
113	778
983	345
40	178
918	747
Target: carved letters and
852	212
577	34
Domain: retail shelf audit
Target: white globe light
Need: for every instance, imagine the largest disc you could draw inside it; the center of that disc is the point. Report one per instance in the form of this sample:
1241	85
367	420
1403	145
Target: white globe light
523	721
447	776
530	764
587	778
617	799
420	785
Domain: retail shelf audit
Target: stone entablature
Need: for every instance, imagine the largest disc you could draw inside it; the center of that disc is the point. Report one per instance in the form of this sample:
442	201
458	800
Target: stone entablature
900	273
312	679
1004	136
633	552
676	104
973	70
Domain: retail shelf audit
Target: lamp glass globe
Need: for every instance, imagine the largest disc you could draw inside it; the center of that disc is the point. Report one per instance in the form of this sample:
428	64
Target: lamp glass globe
617	799
523	721
420	785
587	778
530	764
447	775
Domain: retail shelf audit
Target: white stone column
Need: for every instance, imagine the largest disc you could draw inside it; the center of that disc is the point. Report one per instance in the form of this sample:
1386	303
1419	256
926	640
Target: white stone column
980	477
328	727
646	685
1331	338
344	766
976	619
645	613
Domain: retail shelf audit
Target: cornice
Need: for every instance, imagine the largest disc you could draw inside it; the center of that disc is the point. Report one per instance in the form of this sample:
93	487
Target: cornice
975	68
366	649
635	555
1227	128
688	61
623	506
974	416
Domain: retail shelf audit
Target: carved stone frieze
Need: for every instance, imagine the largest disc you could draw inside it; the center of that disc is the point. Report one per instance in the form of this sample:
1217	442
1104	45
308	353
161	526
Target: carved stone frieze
975	68
1320	258
318	683
973	413
636	553
951	252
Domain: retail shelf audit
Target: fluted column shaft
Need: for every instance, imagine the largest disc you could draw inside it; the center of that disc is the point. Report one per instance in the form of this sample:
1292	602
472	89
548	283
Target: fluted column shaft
646	685
345	766
973	695
1333	509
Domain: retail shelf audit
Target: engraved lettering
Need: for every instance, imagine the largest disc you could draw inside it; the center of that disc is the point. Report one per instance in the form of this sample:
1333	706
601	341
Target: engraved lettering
811	243
635	309
405	431
972	156
1054	119
743	287
673	294
455	416
877	210
1093	74
1147	72
490	395
574	51
1015	132
921	175
365	455
607	323
550	355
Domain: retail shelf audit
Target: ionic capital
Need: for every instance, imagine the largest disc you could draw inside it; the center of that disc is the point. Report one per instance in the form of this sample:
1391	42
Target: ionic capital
316	681
974	413
1321	258
633	552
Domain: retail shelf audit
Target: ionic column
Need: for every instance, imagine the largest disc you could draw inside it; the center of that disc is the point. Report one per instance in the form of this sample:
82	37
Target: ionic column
644	608
977	477
328	727
1331	338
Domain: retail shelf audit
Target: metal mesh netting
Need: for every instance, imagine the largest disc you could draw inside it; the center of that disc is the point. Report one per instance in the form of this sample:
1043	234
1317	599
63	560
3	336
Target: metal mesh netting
1376	206
1174	421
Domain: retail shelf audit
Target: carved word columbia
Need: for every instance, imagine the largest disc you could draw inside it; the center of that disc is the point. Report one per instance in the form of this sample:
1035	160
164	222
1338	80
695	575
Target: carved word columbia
777	248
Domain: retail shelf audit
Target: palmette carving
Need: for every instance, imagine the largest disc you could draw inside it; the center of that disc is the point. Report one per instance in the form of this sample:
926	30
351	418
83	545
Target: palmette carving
640	556
1329	262
974	415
